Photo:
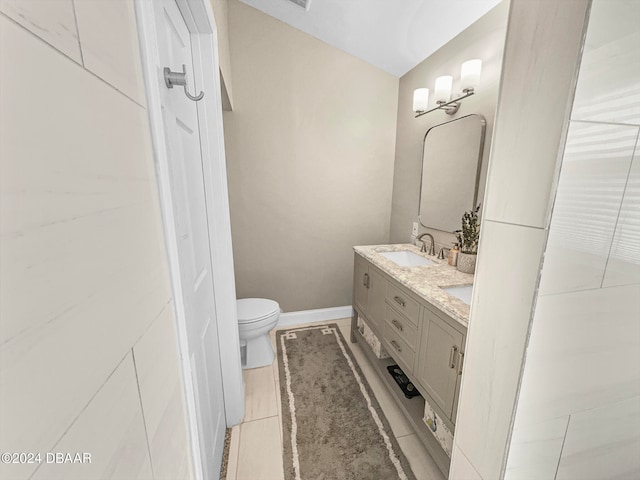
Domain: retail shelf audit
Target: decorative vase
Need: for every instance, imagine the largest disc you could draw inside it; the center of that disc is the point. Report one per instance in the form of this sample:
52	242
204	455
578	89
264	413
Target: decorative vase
467	262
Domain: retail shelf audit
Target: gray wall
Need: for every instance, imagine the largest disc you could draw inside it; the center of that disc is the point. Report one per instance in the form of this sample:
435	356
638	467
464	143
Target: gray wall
484	39
310	148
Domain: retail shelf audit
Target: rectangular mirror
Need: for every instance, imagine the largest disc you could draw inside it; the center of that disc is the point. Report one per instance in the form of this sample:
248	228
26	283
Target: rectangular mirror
451	162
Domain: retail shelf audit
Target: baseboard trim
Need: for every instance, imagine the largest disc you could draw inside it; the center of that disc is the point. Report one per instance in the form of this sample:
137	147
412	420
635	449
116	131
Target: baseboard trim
303	317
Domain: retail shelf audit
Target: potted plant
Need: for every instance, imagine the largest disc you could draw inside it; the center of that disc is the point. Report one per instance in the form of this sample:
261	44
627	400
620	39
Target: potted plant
468	238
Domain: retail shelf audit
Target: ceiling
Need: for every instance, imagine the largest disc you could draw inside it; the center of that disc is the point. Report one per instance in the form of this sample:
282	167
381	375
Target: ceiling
394	35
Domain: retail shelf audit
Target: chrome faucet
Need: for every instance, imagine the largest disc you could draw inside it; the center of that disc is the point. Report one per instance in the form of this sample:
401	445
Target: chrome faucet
423	248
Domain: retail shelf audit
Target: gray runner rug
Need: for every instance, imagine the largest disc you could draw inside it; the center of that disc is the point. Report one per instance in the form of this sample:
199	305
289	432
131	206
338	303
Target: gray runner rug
333	426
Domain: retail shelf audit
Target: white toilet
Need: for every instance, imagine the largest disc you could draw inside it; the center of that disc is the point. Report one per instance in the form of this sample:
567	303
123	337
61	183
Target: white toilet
256	318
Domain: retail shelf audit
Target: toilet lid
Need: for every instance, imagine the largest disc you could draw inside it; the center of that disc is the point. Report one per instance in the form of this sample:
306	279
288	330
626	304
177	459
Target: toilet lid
255	309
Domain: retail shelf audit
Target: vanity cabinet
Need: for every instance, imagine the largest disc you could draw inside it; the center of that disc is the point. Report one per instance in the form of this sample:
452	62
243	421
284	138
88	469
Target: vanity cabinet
369	289
402	326
403	302
360	283
398	348
401	318
424	341
439	365
375	302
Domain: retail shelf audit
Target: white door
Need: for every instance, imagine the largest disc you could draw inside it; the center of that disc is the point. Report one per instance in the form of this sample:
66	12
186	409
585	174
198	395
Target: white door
192	233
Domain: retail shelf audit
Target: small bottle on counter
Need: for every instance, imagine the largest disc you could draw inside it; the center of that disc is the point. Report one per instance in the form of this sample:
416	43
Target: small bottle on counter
453	255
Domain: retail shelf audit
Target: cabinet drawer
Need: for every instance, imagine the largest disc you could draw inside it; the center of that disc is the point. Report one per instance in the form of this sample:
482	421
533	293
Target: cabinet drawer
398	348
402	326
403	303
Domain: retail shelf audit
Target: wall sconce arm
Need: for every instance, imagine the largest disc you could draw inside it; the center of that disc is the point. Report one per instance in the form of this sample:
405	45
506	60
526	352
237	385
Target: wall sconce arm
449	107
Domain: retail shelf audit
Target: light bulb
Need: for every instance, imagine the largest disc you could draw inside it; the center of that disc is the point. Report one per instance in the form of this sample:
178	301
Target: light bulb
420	99
470	74
443	88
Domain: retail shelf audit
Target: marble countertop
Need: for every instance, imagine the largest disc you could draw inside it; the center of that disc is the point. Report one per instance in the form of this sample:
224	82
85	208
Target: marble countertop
425	281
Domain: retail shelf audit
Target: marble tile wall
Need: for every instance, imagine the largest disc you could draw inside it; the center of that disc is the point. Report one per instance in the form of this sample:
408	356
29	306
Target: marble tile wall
623	267
531	118
88	357
108	37
54	22
462	468
582	371
523	164
595	170
161	397
535	450
112	429
503	311
602	443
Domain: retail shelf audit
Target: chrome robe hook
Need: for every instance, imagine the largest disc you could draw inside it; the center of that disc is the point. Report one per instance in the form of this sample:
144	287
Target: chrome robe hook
180	79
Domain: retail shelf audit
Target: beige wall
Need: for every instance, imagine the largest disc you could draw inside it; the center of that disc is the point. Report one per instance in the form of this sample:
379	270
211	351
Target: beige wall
88	359
310	148
221	15
484	39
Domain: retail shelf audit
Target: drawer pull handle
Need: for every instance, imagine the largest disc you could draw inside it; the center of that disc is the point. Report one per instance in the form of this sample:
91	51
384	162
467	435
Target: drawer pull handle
365	280
452	354
399	301
395	345
397	324
460	359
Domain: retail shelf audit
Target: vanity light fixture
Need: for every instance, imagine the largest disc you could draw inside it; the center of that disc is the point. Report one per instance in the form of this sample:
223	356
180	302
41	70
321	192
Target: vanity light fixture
469	78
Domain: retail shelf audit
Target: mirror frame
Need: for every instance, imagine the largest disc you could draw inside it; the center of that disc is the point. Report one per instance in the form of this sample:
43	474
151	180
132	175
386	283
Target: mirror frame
483	126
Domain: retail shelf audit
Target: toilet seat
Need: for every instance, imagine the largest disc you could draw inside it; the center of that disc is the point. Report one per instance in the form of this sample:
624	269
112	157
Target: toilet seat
251	310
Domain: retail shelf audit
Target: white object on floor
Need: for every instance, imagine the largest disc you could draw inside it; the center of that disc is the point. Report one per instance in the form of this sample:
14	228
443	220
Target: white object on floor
438	429
256	318
371	339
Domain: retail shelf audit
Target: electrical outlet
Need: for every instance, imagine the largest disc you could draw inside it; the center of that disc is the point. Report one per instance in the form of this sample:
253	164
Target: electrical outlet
414	230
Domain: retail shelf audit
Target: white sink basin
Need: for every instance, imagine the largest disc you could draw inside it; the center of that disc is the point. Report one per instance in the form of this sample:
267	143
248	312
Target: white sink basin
463	292
406	259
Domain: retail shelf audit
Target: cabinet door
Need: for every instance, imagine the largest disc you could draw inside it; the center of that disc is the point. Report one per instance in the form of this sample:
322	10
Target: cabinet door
375	302
437	367
360	284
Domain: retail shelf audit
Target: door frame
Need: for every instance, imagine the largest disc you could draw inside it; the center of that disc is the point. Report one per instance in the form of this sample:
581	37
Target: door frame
199	18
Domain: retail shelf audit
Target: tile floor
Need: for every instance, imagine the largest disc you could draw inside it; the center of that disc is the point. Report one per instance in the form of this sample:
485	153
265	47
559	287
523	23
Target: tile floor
256	444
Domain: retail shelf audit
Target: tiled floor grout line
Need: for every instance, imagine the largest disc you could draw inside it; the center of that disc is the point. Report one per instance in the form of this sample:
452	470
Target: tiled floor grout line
237	452
259	419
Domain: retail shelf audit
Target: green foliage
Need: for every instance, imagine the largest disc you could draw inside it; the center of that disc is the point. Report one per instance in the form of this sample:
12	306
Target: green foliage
469	236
